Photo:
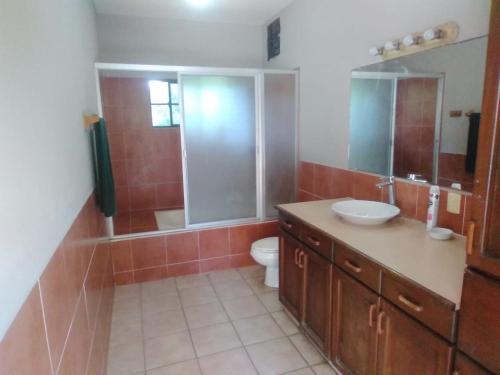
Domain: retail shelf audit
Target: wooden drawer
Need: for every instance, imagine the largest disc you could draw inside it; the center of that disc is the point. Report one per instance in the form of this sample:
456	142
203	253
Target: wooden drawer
358	266
434	311
317	241
290	224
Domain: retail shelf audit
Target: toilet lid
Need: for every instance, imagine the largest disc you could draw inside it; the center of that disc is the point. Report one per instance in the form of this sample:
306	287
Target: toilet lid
266	245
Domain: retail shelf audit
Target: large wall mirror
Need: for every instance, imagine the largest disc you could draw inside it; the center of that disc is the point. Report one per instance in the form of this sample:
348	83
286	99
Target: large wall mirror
417	116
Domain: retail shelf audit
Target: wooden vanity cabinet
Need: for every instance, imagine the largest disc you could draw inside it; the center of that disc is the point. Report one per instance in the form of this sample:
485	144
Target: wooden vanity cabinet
354	325
405	346
291	274
316	312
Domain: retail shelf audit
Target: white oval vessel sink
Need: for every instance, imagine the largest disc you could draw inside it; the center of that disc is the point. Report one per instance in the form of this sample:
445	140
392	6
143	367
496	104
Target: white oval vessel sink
365	212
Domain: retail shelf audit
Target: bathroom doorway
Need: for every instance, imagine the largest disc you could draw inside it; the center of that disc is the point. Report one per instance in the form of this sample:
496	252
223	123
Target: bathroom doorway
198	147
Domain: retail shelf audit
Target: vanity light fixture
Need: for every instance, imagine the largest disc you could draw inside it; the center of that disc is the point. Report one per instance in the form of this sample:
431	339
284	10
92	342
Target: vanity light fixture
431	38
432	34
392	45
376	51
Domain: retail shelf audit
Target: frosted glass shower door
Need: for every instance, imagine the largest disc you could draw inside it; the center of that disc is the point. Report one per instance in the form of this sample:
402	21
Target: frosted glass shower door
219	132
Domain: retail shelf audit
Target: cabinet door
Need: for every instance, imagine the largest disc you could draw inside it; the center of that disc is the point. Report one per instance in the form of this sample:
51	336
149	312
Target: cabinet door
316	317
291	274
407	347
483	247
354	331
465	366
479	323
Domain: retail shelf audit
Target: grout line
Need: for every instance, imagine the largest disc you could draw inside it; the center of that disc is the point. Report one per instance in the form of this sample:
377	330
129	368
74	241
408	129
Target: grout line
142	328
45	326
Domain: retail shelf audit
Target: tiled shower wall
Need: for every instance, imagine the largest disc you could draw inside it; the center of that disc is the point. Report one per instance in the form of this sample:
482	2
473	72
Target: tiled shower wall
452	169
146	161
189	252
318	181
63	326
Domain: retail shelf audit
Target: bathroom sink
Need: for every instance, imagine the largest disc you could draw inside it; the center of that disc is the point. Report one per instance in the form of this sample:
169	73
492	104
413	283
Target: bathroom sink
365	212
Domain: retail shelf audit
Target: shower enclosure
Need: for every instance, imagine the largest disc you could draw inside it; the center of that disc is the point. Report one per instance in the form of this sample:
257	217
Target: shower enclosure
237	142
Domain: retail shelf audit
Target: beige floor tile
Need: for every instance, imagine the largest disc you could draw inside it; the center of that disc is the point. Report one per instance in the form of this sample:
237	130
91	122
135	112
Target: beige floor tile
184	368
225	276
191	281
163	323
197	296
232	362
257	329
244	307
251	272
275	357
126	359
160	303
233	289
214	339
258	286
158	288
126	291
304	371
307	350
127	308
324	369
166	350
285	322
205	315
125	330
271	301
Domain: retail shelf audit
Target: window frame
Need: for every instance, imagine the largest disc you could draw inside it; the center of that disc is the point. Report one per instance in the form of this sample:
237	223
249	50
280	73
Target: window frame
170	104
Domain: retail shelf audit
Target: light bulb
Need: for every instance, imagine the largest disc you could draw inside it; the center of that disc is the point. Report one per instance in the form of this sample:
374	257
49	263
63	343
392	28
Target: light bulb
391	46
432	34
409	40
375	51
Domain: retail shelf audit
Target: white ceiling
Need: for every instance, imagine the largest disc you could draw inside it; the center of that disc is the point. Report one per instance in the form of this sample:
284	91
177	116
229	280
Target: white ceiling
252	12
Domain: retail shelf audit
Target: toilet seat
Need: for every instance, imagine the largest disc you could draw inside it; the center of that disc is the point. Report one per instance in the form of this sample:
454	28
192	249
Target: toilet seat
269	245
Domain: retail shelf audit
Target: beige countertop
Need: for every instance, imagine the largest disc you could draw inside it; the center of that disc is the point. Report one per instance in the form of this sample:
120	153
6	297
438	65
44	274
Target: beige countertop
402	245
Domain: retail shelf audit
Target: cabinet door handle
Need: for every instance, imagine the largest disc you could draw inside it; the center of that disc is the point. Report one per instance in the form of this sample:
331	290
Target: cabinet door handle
379	322
296	256
370	314
301	259
410	304
470	237
313	240
352	266
287	224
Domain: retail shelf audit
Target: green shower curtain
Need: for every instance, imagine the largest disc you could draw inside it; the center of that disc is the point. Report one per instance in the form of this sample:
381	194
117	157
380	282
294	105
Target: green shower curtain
103	172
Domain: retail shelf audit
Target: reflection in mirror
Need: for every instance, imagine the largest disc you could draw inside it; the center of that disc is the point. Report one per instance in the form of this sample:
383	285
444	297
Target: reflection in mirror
418	116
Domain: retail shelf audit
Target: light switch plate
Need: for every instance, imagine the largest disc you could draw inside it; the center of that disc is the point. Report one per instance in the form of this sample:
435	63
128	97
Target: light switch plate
453	203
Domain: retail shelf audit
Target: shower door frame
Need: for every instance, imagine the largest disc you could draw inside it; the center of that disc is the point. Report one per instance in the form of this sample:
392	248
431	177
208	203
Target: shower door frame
260	166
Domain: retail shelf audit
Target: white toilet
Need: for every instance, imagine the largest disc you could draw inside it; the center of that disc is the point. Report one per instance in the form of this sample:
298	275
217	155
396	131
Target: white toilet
266	252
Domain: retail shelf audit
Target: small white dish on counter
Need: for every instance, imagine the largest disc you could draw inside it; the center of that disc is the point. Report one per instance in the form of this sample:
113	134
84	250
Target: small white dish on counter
365	212
441	234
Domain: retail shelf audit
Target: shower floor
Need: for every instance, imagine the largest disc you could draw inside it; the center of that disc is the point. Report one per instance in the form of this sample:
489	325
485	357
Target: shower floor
148	220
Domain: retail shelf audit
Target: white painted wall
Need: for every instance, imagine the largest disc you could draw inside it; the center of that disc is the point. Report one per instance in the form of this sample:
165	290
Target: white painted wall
328	38
142	40
47	50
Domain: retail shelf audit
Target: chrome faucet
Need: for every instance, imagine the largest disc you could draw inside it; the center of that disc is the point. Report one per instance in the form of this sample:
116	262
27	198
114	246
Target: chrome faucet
389	182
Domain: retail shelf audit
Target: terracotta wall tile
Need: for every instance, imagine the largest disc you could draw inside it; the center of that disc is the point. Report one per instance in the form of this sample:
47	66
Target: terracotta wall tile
23	350
241	260
322	182
74	360
365	189
111	91
150	274
93	282
306	176
269	229
181	269
214	264
214	243
422	202
122	199
304	196
406	198
148	252
142	197
59	302
116	146
143	218
447	219
170	195
467	213
342	183
182	247
121	254
124	278
119	173
241	238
